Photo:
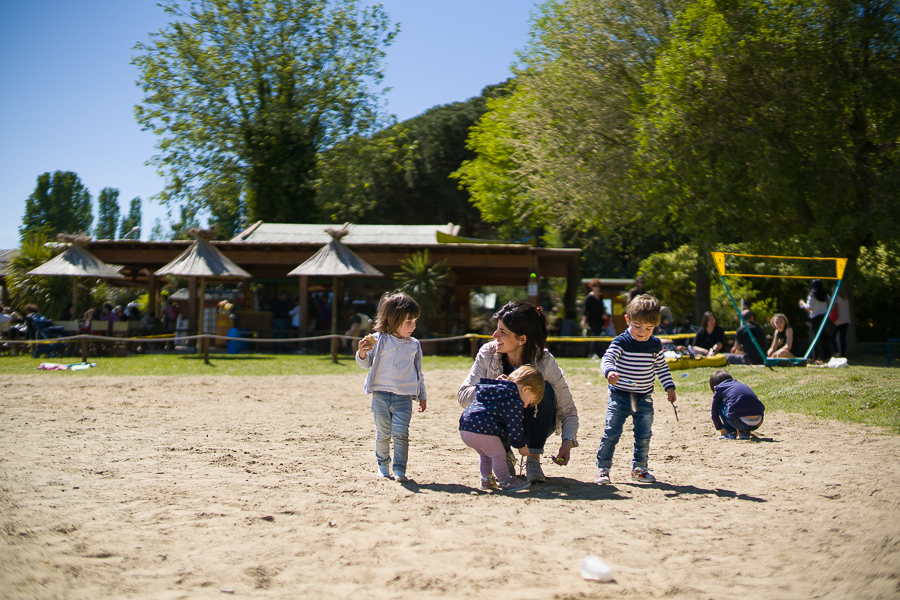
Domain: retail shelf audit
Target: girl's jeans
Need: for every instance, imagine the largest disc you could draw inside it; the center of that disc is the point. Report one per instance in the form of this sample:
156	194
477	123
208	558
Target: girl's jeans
392	416
622	405
493	454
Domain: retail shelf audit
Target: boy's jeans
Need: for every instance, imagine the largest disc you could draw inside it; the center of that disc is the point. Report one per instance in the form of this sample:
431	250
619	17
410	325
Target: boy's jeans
617	410
392	416
734	426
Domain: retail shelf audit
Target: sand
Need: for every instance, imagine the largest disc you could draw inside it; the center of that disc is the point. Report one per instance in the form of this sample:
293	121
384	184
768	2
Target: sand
150	487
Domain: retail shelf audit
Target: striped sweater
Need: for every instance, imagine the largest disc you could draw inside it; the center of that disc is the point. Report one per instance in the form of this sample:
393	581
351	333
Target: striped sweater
637	363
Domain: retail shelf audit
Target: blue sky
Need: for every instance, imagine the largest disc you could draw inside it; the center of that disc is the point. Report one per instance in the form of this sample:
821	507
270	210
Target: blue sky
67	88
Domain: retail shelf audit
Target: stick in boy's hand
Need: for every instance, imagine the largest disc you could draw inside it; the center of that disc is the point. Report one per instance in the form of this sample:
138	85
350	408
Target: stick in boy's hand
675	408
672	398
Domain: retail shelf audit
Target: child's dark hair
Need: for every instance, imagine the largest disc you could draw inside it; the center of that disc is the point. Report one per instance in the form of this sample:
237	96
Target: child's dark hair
532	378
644	309
717	378
393	309
525	319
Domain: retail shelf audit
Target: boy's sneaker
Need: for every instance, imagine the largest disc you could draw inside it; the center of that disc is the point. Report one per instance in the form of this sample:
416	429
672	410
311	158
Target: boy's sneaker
727	436
382	474
513	485
602	476
400	477
642	475
744	435
489	483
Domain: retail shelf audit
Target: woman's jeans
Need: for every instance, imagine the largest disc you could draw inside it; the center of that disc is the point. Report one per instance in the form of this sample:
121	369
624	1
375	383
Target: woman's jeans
539	427
392	416
622	405
822	351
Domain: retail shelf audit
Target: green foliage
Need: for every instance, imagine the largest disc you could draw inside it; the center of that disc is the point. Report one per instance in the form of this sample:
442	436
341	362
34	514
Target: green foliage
49	294
400	174
132	221
424	282
107	214
60	203
877	292
244	94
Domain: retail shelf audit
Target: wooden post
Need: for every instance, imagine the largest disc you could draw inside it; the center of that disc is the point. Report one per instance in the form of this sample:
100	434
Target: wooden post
83	349
205	340
74	298
151	294
473	345
335	291
303	299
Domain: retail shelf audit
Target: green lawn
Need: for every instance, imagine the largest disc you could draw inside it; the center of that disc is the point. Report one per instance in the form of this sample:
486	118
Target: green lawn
863	393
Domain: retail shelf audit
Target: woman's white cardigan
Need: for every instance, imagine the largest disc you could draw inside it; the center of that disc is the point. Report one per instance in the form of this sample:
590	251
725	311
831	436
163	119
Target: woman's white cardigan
488	365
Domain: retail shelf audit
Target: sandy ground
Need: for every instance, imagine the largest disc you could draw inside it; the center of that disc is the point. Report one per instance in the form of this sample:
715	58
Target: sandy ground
225	487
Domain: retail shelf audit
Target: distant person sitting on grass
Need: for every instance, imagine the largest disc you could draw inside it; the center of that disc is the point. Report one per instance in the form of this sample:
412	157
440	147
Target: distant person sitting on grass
736	410
745	352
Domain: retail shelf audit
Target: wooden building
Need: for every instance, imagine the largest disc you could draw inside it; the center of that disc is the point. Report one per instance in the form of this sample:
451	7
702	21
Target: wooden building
269	251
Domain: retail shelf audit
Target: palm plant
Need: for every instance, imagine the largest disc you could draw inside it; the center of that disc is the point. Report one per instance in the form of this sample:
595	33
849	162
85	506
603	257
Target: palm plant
426	283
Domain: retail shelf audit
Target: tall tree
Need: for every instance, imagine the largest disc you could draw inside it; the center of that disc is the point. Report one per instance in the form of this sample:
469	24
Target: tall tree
107	214
60	203
778	124
131	224
401	174
244	94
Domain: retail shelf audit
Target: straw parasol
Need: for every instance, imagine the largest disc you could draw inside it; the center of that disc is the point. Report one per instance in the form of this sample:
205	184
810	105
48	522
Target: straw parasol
76	262
335	260
204	261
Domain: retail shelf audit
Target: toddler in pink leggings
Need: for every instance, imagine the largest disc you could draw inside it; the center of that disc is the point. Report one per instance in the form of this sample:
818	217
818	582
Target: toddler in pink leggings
493	422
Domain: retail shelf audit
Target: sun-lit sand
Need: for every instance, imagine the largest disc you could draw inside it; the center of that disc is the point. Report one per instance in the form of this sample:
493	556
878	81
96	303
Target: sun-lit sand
212	487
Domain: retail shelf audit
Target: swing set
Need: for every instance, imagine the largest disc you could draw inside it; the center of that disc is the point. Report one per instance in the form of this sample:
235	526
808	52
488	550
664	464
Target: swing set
839	265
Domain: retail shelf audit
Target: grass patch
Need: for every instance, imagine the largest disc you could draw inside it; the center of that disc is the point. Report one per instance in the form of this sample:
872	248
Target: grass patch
864	393
244	365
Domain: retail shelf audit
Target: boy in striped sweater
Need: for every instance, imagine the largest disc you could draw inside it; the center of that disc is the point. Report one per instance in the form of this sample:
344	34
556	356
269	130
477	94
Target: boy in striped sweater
631	364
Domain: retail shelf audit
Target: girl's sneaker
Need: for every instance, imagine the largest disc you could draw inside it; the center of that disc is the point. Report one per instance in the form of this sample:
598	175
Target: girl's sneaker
602	476
744	435
727	436
489	483
513	485
642	475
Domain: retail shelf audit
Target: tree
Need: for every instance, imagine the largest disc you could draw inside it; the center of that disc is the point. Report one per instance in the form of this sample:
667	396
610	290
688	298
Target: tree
59	203
107	214
769	122
244	94
401	174
131	224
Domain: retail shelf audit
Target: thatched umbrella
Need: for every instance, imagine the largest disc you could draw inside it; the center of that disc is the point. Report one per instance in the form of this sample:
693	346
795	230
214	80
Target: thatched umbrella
76	262
204	261
335	260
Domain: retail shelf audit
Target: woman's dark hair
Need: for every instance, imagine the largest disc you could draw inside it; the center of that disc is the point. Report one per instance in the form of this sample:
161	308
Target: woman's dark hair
705	320
818	290
525	319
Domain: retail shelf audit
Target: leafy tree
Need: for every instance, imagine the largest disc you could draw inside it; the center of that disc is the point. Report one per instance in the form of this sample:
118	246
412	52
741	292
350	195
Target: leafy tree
132	222
49	294
107	214
401	174
244	94
60	203
158	233
182	229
